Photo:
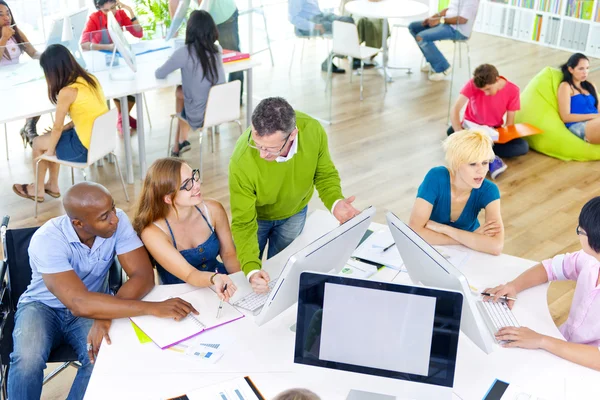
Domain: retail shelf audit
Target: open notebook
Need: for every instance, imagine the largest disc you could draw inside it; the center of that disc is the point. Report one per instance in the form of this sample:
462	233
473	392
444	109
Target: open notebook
166	332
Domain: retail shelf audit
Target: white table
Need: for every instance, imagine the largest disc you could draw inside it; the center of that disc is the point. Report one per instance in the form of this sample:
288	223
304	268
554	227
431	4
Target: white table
386	9
129	370
31	99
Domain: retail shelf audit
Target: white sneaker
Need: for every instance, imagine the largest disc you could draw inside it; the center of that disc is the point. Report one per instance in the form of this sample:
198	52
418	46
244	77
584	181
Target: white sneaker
440	76
426	67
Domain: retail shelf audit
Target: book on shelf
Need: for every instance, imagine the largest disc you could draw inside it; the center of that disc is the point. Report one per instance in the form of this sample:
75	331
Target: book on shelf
580	9
550	6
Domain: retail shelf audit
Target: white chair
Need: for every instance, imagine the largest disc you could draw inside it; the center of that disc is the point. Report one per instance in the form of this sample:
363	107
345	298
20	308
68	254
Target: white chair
347	44
303	40
104	142
222	106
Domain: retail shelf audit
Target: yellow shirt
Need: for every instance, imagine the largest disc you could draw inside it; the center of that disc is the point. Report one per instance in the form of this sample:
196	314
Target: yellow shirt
88	105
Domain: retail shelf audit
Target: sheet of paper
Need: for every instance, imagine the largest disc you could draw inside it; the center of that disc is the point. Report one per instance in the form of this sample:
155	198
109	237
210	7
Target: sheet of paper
358	269
373	248
514	392
491	132
235	389
13	75
456	257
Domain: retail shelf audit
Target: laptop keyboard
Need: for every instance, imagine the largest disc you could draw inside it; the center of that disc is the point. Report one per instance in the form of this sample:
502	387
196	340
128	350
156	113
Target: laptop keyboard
253	301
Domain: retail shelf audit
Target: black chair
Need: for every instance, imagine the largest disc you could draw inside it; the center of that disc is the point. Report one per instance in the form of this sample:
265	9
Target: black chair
15	276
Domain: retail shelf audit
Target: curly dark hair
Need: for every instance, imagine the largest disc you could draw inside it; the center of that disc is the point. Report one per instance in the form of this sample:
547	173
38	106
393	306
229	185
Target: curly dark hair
273	114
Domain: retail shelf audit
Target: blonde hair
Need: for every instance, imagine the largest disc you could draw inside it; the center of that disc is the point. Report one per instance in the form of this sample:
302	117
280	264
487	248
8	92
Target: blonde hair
297	394
468	146
163	178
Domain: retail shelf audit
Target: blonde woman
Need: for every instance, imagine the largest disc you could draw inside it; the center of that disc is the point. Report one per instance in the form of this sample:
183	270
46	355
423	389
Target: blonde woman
183	231
450	198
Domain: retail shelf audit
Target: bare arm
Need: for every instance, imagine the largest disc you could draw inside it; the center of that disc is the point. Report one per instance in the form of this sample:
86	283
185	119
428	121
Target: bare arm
534	276
223	230
66	97
510	118
71	291
97	46
492	244
419	218
138	268
29	49
564	106
455	112
582	354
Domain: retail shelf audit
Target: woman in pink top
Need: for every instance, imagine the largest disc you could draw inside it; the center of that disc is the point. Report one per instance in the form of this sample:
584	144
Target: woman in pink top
582	329
13	43
488	98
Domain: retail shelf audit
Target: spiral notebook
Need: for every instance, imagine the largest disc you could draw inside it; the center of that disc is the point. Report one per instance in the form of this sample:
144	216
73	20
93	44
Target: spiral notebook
166	332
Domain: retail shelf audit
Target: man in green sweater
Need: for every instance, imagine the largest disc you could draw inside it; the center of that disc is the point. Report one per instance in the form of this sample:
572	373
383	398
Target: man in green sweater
273	171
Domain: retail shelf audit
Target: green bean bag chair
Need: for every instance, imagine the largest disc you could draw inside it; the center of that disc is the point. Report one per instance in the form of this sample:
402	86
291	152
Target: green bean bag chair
539	107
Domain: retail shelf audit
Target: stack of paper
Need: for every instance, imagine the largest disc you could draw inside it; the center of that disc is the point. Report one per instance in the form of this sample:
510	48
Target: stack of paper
374	249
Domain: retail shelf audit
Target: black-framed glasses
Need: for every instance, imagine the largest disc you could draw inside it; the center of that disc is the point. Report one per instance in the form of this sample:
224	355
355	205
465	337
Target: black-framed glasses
253	145
579	231
188	184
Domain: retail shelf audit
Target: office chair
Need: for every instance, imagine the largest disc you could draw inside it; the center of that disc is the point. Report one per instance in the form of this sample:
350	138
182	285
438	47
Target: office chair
15	276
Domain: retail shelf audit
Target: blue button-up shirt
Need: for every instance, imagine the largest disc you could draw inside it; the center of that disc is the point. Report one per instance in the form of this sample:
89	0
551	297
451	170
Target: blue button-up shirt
55	247
301	11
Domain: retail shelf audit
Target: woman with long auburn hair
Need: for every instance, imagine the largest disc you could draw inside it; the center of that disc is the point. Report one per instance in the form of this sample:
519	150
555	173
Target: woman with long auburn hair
183	231
76	92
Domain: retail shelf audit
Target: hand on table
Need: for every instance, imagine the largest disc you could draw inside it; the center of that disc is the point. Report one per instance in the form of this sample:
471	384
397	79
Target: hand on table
260	281
175	308
220	281
521	337
98	331
500	291
344	210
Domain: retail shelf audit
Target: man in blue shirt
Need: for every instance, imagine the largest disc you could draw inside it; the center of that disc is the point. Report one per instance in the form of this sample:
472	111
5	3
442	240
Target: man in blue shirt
309	20
67	300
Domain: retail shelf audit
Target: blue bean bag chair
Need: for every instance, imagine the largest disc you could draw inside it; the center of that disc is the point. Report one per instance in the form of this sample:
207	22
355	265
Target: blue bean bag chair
539	107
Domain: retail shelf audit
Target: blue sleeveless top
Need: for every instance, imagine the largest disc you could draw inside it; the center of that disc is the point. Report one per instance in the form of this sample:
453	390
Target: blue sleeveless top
203	257
582	104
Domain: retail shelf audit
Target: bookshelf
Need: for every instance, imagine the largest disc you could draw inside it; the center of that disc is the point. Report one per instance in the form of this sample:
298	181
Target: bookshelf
571	25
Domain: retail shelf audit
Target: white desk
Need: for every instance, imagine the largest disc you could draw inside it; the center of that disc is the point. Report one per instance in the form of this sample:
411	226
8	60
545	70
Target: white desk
31	99
386	9
129	370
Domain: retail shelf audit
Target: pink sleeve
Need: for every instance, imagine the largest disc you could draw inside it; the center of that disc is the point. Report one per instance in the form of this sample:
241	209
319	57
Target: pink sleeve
563	267
468	89
514	103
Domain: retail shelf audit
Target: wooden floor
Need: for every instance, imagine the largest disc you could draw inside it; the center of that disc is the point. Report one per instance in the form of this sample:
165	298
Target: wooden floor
382	146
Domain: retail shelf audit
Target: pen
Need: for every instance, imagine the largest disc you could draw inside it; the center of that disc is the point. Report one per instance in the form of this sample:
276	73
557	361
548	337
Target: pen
389	247
221	303
502	297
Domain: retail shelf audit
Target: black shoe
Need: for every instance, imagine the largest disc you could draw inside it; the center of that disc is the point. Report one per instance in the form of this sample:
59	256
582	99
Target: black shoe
29	131
334	68
366	65
183	147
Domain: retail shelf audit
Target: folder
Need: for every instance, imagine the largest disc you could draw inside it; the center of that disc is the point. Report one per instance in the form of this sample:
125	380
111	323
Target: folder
231	55
508	133
166	332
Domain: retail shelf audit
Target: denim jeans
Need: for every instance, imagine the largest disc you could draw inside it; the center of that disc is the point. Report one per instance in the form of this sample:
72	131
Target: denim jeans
38	330
430	35
280	233
229	38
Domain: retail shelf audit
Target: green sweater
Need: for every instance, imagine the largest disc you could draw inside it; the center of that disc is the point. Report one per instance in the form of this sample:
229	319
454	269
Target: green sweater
271	190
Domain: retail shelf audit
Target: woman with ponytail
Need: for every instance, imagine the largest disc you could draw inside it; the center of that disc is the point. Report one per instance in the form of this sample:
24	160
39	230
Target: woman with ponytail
578	100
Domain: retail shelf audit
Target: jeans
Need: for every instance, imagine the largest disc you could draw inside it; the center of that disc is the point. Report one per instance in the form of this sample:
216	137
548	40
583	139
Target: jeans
279	233
514	148
38	330
229	38
430	35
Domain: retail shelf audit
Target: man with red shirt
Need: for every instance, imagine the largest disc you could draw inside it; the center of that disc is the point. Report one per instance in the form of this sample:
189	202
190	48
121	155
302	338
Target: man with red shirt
95	37
488	97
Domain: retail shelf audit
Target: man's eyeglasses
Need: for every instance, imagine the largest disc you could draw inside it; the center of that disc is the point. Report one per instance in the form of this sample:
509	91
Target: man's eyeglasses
188	184
580	232
253	145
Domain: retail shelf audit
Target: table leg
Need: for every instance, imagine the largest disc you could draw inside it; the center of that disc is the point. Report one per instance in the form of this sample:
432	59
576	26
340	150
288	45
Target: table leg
139	107
248	97
386	55
127	139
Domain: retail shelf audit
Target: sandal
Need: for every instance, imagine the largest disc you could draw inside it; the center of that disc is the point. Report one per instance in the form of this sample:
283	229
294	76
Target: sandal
50	193
24	193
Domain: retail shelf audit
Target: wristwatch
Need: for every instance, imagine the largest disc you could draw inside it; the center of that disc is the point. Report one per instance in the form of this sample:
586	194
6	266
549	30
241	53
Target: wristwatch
134	19
443	20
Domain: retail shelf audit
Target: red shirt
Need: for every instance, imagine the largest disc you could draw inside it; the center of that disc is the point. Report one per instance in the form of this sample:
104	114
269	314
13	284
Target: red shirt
98	21
490	110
